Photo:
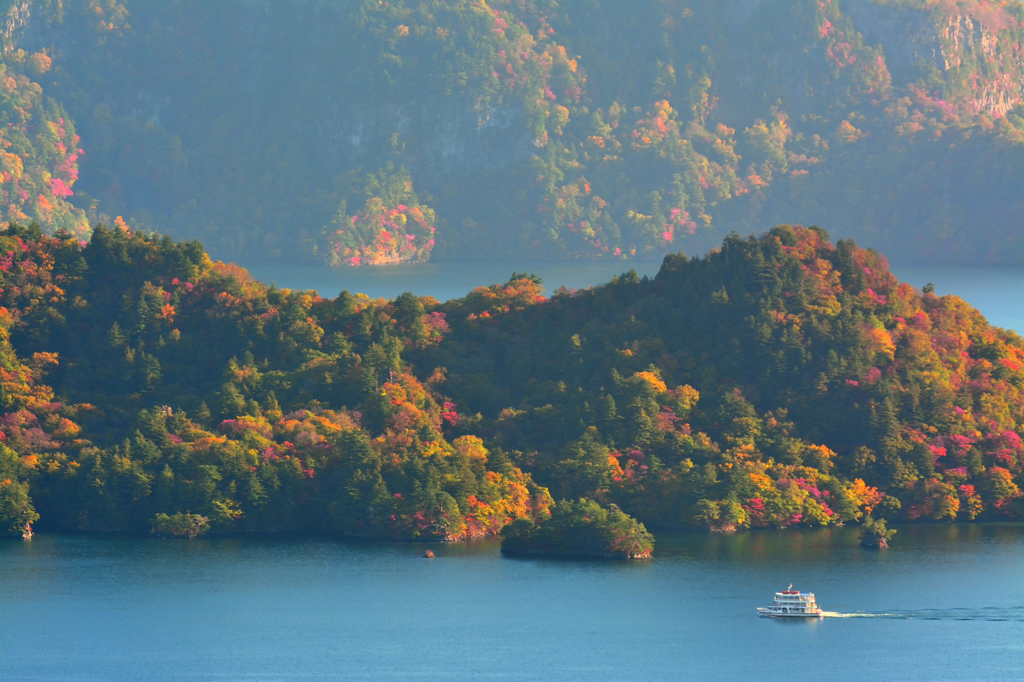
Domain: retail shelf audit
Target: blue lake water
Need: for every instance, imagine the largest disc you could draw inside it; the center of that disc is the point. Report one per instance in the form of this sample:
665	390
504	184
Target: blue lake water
997	292
945	603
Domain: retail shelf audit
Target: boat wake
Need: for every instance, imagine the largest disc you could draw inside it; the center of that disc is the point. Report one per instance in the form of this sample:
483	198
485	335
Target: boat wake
1013	614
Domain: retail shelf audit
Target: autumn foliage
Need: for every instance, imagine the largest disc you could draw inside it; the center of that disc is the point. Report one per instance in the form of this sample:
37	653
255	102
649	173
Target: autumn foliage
190	391
591	129
779	381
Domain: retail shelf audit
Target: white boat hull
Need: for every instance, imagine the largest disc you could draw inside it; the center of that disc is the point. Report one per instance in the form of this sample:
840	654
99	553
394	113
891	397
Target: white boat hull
765	613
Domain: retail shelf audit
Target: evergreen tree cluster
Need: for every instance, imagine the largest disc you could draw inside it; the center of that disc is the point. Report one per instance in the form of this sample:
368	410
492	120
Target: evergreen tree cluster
582	529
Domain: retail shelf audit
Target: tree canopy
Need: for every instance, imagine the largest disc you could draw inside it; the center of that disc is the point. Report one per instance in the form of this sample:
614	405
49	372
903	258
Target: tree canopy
779	380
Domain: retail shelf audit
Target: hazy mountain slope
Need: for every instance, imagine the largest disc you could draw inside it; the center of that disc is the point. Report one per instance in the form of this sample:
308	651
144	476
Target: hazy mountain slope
581	128
38	146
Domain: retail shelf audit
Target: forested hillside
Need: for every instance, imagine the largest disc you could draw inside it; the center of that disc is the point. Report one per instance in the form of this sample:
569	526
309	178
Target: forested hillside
355	132
780	380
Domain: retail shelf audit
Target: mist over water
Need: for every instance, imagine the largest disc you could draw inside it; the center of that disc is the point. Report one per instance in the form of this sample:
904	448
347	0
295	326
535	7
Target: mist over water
995	291
945	603
445	281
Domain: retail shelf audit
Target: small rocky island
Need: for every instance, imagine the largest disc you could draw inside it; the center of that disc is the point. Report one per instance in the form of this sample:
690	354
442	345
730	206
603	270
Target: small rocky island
580	529
874	534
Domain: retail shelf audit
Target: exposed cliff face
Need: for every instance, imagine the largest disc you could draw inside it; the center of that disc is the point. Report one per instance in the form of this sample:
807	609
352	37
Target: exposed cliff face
972	49
14	20
963	46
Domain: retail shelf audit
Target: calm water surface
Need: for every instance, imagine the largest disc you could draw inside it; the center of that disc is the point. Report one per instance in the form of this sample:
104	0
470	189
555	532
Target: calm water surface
946	603
996	292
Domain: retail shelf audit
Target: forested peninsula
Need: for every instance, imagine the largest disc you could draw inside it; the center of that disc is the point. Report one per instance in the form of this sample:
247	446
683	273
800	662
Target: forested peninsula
779	380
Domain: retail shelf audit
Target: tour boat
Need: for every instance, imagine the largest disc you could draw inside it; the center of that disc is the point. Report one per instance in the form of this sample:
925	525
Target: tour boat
791	603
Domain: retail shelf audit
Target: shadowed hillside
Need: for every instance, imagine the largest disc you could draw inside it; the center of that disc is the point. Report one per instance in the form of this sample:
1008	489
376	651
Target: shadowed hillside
374	132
